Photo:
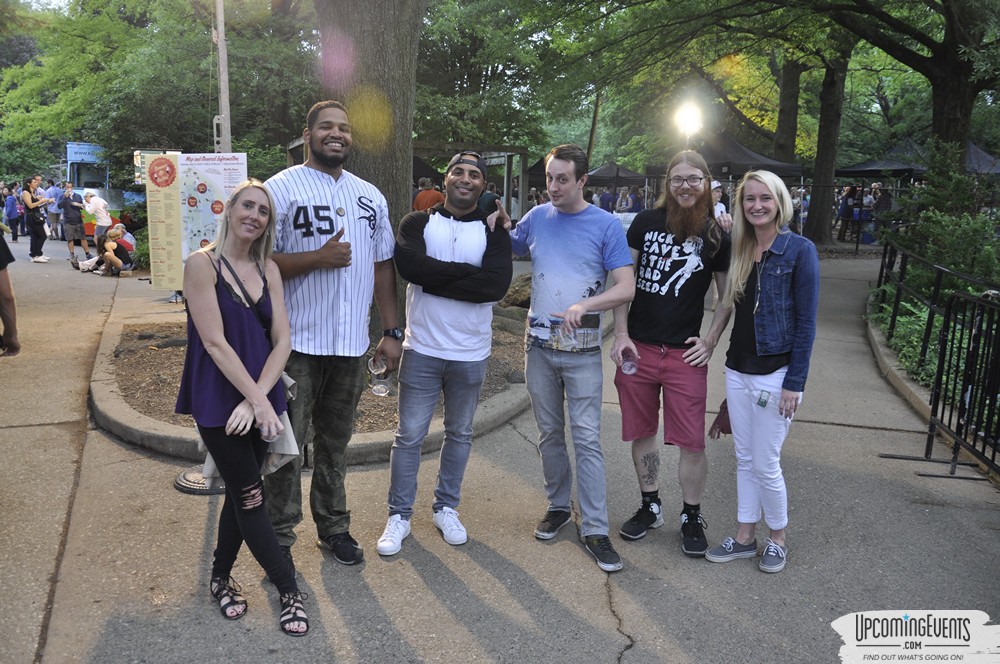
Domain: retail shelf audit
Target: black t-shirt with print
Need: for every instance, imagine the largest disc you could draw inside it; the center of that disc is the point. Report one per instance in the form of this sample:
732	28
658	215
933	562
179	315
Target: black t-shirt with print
672	279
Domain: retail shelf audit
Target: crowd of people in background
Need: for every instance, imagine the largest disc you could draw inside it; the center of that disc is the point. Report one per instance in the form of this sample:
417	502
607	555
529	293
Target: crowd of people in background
57	213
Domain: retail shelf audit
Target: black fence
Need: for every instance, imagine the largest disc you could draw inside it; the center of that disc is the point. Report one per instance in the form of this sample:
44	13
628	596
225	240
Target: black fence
908	278
965	399
965	396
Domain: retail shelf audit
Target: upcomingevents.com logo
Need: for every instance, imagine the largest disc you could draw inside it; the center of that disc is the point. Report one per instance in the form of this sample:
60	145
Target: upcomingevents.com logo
868	628
918	636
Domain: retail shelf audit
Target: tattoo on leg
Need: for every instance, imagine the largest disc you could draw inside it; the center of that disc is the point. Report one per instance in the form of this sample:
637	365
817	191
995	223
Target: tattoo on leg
651	468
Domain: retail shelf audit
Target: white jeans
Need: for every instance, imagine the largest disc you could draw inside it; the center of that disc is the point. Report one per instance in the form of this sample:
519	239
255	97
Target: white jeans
758	433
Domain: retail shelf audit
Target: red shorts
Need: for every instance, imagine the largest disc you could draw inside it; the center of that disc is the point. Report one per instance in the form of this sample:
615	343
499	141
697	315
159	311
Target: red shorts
684	388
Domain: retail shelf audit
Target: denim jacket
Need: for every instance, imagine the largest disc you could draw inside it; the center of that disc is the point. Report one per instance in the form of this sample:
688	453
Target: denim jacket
789	297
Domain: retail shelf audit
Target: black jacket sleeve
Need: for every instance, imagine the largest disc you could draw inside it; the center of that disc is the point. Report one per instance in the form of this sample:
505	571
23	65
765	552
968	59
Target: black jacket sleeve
412	261
488	283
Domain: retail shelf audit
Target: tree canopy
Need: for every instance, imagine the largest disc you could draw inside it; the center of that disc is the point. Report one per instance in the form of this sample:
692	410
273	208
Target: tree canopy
143	73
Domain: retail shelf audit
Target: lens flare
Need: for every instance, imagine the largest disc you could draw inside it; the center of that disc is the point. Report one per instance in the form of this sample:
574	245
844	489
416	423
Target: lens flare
371	117
339	60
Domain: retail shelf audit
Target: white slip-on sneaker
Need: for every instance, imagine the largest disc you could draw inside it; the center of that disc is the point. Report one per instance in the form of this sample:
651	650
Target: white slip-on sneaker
446	520
396	530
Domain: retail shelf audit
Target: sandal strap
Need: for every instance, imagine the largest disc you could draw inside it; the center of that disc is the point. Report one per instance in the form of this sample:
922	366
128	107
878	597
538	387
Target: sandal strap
292	610
228	586
228	593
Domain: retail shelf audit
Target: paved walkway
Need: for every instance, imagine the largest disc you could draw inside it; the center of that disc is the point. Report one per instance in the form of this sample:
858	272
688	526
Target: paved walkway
103	561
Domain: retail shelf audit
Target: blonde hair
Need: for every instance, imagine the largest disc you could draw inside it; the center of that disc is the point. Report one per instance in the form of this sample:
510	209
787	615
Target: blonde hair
262	247
745	239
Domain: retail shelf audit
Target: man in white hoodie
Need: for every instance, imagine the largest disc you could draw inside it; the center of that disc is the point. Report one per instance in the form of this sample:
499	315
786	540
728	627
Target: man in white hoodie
457	268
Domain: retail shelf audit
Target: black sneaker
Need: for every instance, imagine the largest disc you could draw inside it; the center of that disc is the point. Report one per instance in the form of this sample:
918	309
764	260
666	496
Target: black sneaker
345	548
551	523
693	542
647	516
605	554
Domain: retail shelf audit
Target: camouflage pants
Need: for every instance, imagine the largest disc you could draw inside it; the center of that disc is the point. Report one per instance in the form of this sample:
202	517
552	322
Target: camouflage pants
329	388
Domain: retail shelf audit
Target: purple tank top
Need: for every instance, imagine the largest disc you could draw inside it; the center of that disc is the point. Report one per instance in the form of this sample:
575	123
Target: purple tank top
205	392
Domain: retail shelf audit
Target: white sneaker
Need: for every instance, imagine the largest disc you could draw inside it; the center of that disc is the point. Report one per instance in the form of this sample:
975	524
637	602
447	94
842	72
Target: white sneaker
396	530
451	528
45	259
39	259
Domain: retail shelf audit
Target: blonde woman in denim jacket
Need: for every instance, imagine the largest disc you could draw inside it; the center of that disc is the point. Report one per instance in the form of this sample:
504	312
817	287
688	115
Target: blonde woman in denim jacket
773	286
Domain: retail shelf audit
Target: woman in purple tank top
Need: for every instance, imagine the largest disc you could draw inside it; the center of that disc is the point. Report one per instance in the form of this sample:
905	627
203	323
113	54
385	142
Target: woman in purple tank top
231	385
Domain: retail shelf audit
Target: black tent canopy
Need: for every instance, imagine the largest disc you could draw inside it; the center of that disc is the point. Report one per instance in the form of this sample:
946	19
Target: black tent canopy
875	167
421	169
729	159
907	159
611	174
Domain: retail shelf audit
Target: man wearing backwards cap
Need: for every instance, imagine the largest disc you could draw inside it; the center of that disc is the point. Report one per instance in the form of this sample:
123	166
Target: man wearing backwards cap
457	269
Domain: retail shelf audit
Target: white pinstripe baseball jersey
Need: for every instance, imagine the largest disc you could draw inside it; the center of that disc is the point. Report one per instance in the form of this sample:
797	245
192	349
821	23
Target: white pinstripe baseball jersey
329	308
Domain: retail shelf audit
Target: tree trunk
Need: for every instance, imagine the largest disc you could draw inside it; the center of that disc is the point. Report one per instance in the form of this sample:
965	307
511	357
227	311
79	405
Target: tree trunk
952	99
819	227
783	147
593	128
369	60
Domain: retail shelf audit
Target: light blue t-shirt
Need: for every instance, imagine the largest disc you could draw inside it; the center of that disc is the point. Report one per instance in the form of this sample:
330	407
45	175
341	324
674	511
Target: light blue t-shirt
571	255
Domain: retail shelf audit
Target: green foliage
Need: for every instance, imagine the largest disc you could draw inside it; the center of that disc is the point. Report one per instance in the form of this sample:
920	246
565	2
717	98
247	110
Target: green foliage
907	338
263	161
140	257
129	74
950	232
18	160
475	83
884	103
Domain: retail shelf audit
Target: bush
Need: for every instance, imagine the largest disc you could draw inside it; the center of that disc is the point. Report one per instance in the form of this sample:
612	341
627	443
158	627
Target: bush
140	258
950	230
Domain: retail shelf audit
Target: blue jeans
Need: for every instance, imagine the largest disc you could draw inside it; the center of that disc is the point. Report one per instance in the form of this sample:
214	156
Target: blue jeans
551	375
422	379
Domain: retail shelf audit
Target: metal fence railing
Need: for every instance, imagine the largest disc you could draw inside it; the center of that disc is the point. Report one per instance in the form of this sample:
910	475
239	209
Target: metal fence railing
965	395
965	399
910	278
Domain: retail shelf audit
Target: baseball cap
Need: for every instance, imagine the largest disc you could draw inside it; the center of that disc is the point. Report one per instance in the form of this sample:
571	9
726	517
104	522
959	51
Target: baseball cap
467	158
716	184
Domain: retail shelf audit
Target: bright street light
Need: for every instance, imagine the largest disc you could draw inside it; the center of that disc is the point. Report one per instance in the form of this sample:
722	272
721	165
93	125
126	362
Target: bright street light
688	120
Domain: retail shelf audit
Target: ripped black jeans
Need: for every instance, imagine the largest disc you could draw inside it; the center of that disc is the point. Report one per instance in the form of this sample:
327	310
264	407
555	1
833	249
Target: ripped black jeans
244	516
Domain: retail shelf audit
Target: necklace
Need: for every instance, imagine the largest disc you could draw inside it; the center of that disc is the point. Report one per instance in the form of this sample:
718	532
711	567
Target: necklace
760	268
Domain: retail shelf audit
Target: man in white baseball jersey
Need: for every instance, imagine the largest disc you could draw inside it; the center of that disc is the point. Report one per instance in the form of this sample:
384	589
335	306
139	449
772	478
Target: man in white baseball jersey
334	247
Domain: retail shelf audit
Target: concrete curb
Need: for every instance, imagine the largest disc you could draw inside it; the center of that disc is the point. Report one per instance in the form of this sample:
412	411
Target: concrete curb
114	415
916	395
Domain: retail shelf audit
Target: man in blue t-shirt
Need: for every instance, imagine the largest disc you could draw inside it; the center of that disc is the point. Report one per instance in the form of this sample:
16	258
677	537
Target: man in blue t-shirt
573	246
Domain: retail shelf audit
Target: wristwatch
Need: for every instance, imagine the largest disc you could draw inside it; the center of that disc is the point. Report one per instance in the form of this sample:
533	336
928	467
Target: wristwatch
393	332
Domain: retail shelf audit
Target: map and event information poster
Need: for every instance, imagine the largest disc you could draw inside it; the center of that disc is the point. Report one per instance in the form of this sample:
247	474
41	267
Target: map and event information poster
185	196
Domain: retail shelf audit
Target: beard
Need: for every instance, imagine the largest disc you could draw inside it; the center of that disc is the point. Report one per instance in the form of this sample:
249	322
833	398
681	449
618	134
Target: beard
328	161
688	222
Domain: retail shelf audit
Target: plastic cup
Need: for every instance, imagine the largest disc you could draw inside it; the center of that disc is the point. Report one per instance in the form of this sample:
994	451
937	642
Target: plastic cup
630	363
380	380
376	365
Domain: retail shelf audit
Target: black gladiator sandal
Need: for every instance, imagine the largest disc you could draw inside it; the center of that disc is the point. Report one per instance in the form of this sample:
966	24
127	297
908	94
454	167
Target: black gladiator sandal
227	592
